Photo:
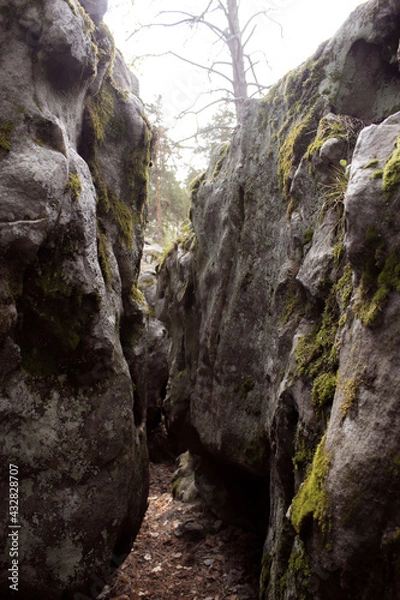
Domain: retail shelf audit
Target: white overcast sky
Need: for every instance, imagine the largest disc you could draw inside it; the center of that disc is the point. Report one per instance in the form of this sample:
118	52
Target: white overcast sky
305	24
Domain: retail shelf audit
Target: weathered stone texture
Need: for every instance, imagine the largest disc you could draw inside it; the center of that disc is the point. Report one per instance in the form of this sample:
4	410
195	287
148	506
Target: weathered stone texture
73	168
282	308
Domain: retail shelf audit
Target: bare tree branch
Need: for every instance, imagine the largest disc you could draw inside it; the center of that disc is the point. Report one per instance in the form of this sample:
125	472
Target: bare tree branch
193	20
234	38
195	64
200	131
250	36
203	108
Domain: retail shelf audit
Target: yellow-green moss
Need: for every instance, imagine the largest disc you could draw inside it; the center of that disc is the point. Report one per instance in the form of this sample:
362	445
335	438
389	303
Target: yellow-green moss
344	287
296	99
304	450
335	191
391	172
312	499
328	128
295	303
74	186
338	252
105	119
57	316
342	127
372	163
196	182
101	109
349	388
137	296
317	352
102	251
376	287
308	236
244	388
377	174
299	568
291	147
88	25
5	135
223	151
124	217
395	468
136	169
323	389
73	7
266	563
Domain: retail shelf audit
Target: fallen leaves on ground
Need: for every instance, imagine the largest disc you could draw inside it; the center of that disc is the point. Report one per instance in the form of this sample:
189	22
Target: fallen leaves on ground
184	551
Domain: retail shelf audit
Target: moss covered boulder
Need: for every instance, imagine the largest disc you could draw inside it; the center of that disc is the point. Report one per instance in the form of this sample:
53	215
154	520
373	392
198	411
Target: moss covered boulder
73	171
282	308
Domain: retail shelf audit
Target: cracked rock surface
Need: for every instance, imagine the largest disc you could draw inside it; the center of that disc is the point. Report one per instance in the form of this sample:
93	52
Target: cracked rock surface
73	168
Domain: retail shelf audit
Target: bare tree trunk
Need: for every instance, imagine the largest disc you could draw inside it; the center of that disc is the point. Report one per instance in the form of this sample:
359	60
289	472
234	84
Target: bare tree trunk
234	42
157	149
158	207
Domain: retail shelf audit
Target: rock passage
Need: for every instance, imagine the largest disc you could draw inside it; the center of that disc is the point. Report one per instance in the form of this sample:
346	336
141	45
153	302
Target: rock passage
184	551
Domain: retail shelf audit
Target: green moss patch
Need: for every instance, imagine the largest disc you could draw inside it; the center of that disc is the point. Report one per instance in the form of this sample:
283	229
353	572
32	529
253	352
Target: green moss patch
292	148
101	110
308	236
312	499
391	172
317	352
244	388
335	191
196	183
296	99
5	136
56	317
323	390
349	388
137	296
223	151
304	449
74	186
300	569
295	303
340	127
377	174
104	118
377	282
372	163
102	252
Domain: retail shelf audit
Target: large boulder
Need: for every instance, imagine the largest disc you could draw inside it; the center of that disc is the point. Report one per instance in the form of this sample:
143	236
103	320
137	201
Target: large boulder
282	307
74	152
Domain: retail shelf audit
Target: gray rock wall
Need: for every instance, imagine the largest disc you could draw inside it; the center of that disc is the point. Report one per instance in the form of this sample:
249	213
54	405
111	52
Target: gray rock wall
282	307
74	152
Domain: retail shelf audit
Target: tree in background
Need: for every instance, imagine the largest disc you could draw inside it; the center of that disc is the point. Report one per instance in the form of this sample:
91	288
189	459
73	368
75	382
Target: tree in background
217	131
168	200
231	60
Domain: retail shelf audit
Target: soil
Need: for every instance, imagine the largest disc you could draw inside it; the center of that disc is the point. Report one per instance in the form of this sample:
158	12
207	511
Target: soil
184	551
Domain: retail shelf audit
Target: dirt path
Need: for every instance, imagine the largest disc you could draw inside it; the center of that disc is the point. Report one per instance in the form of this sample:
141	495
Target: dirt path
184	551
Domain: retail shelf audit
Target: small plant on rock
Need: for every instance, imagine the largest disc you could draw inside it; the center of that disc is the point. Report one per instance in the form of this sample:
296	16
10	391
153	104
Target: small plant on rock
335	190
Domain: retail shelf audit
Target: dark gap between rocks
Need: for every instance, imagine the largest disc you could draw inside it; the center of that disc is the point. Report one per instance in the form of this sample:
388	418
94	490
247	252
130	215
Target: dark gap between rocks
184	551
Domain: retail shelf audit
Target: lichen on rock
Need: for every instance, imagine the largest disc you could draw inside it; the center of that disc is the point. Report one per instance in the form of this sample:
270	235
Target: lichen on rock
283	318
71	419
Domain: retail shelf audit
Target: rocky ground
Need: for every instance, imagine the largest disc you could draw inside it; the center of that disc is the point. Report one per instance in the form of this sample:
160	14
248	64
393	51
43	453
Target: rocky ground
184	551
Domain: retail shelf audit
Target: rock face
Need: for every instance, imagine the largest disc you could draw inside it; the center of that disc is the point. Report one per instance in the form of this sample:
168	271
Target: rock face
283	311
74	152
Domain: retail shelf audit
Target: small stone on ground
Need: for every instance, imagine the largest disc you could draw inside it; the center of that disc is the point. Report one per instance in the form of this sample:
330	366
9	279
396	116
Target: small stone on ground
184	551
